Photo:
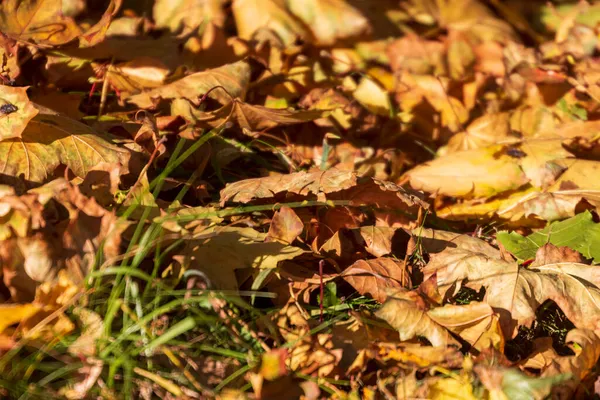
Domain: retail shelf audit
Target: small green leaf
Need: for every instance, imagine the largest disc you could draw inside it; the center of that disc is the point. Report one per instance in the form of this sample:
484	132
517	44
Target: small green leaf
579	233
518	386
330	299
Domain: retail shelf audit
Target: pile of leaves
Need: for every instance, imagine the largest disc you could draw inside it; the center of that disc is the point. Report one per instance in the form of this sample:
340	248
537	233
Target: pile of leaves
266	199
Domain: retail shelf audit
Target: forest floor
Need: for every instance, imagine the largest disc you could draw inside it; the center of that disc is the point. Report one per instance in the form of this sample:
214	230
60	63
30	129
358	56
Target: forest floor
269	199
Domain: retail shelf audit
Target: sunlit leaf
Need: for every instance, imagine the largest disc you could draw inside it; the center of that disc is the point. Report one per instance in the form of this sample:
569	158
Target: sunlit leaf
15	111
233	80
252	15
254	118
329	20
43	23
217	257
471	173
528	288
186	15
51	140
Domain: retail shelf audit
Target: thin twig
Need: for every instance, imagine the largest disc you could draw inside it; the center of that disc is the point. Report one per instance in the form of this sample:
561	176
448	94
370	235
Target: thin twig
321	290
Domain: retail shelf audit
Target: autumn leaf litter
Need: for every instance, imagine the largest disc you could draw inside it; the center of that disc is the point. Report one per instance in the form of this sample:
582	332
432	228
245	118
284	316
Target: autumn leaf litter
265	199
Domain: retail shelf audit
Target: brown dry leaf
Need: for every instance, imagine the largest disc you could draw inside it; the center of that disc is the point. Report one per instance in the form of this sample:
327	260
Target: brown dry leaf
50	297
227	249
408	356
580	365
471	173
90	228
253	15
378	239
315	356
356	334
253	118
89	372
187	15
309	353
409	314
20	215
285	226
329	20
374	277
51	140
463	16
26	263
541	355
317	183
339	246
435	241
414	89
43	23
213	48
416	55
332	184
92	329
71	243
102	183
137	75
461	57
66	104
484	131
234	78
550	254
516	293
556	202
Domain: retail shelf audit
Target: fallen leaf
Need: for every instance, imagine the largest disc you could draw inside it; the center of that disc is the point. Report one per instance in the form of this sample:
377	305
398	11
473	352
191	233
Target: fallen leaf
516	293
484	131
378	239
409	315
285	226
329	20
11	314
187	15
253	118
435	241
452	388
92	330
51	140
373	97
302	183
505	383
233	80
15	111
416	55
586	346
90	374
253	15
471	173
373	277
43	23
550	254
137	75
240	248
413	90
